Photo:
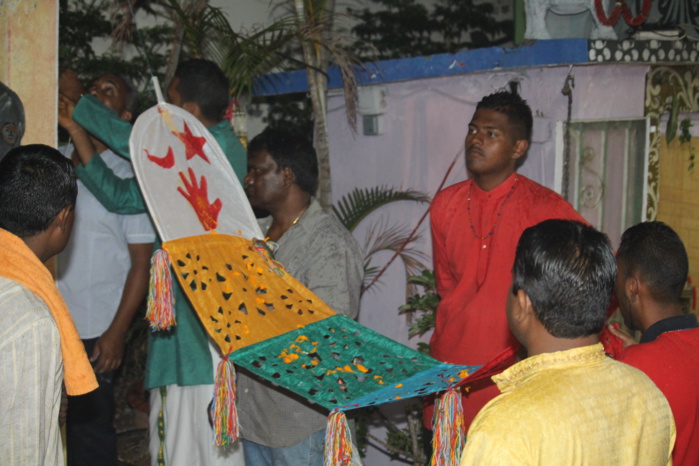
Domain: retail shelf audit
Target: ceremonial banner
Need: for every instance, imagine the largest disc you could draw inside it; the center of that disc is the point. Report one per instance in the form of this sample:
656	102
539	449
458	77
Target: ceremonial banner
260	316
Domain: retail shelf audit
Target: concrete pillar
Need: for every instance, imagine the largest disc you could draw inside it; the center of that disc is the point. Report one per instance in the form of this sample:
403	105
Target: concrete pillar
29	63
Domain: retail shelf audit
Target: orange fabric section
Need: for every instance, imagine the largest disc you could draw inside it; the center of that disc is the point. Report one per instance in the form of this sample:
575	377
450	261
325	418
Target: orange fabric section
18	263
241	296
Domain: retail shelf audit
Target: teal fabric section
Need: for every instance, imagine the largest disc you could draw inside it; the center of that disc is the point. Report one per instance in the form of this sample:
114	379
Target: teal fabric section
101	121
180	356
339	363
231	147
117	195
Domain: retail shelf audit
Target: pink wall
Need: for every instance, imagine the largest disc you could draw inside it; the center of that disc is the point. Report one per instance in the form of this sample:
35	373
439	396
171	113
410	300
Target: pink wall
423	130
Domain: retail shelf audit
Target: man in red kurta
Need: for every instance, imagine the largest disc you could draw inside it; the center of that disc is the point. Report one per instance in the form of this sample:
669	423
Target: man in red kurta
652	271
476	225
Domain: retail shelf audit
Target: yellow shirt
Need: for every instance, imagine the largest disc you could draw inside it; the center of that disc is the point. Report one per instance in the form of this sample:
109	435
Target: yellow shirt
575	407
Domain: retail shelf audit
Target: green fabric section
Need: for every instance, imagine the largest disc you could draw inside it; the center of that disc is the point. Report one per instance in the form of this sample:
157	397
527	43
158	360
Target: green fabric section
333	362
101	121
180	356
117	195
232	148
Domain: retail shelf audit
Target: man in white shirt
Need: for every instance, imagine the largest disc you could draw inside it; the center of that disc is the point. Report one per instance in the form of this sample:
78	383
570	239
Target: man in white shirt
103	276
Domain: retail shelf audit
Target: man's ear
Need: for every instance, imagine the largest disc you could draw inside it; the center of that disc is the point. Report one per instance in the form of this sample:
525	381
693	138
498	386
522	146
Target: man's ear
524	306
126	115
521	146
193	108
288	177
631	288
63	219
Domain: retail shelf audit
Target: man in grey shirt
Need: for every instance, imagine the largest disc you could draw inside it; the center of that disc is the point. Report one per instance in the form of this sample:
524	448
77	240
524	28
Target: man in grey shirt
277	426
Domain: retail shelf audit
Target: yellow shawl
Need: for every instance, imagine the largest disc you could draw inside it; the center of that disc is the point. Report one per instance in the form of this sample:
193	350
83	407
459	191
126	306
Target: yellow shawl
19	263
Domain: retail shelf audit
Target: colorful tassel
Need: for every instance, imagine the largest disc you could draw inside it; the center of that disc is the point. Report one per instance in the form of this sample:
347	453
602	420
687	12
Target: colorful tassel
266	249
338	444
161	299
223	411
449	431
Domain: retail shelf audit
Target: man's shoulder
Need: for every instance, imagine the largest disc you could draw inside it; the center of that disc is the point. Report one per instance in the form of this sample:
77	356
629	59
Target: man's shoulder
324	230
543	203
14	293
539	191
458	192
680	344
636	381
22	310
226	137
328	226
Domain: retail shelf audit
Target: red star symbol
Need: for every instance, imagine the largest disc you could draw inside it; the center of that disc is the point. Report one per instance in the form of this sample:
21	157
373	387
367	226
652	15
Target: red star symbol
194	145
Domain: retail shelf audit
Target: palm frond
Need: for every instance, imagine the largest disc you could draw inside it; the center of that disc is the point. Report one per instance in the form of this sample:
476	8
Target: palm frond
361	202
243	57
396	238
317	30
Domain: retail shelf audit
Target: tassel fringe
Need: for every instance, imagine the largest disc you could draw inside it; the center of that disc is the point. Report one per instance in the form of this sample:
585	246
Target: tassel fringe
449	430
338	444
223	410
161	299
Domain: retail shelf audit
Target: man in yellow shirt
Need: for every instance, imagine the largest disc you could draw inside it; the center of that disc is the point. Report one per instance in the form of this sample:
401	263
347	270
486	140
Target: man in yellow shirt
567	402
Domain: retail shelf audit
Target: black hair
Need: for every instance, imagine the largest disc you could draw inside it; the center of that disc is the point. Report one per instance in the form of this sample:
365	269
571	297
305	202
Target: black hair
203	82
568	271
656	253
289	150
36	183
131	95
517	110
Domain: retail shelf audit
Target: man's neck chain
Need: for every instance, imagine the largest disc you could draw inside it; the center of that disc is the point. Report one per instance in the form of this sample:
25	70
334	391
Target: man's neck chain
497	218
296	220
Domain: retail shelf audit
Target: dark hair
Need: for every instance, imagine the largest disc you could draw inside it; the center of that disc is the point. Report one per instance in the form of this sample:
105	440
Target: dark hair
289	150
517	110
568	271
36	183
655	252
203	82
131	103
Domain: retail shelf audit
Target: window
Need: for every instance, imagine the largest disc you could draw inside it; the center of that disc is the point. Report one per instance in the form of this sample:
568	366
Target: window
607	173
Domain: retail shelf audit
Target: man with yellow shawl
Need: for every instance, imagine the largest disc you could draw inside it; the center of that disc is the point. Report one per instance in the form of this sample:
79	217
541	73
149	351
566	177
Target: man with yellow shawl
39	345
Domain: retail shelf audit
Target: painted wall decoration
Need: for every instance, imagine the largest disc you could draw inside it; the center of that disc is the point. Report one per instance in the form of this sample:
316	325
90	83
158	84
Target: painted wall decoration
663	84
643	51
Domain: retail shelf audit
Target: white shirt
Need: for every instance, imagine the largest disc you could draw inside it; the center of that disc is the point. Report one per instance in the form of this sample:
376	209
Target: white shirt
31	376
92	269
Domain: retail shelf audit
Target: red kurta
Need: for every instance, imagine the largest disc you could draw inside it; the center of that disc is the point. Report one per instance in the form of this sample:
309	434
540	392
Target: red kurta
474	275
672	362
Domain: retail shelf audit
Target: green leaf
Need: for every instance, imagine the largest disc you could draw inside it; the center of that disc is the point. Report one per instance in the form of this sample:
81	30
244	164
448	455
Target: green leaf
361	202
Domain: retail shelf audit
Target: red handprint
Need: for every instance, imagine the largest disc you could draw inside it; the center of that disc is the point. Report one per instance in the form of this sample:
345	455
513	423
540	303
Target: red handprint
198	197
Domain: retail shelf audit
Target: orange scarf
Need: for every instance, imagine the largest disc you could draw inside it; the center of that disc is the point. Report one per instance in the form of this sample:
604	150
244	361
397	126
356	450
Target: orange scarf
19	264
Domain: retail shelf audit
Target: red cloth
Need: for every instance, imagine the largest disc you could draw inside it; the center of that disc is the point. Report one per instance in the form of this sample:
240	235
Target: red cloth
613	345
473	281
672	362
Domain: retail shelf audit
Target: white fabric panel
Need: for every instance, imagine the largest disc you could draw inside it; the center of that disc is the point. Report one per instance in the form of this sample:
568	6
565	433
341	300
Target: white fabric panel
172	214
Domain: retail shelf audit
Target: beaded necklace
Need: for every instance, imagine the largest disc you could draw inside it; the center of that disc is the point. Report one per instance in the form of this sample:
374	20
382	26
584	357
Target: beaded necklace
497	218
